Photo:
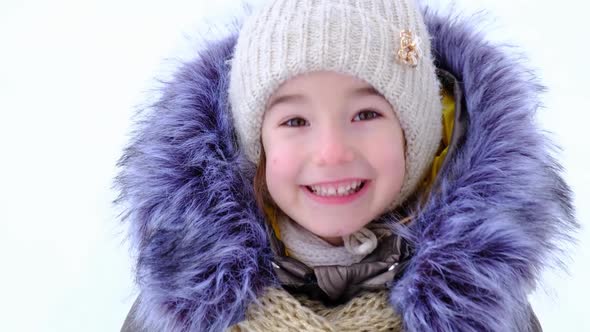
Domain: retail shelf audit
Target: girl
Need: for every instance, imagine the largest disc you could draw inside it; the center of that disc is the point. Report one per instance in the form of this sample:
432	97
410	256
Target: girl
343	165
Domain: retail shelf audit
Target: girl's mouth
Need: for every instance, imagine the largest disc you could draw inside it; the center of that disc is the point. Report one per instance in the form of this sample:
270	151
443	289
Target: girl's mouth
342	196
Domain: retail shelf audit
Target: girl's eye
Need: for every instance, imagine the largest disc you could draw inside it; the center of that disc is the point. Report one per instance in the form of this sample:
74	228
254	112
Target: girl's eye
294	122
367	115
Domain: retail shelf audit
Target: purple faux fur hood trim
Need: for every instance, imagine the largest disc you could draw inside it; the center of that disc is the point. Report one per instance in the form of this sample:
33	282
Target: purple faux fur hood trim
498	212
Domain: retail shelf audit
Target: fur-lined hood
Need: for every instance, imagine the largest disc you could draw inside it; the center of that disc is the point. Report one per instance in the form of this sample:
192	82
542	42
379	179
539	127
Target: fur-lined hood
494	220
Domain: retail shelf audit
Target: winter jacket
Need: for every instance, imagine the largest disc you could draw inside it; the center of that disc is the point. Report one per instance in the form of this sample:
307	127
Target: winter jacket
493	218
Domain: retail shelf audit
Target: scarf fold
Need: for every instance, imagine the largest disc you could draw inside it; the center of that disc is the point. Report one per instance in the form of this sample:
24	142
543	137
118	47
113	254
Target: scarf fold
314	251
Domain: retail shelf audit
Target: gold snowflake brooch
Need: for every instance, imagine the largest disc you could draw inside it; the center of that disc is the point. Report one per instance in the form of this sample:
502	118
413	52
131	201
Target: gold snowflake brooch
409	52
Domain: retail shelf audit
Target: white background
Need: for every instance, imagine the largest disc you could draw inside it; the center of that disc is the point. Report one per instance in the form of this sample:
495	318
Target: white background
71	75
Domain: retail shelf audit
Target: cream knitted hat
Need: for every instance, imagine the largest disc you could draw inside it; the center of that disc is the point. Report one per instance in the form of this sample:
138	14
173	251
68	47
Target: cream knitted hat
383	42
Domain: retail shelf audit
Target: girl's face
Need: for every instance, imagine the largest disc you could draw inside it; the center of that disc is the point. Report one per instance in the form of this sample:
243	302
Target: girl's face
322	133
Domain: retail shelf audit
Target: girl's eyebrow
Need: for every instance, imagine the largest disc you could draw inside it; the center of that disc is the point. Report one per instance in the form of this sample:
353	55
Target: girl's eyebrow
366	91
296	98
285	99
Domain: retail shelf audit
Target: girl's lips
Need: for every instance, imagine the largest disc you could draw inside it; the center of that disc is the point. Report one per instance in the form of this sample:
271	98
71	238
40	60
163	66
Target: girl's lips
337	200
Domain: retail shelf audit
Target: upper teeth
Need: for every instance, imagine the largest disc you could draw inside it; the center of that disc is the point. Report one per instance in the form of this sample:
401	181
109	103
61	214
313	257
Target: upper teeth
342	189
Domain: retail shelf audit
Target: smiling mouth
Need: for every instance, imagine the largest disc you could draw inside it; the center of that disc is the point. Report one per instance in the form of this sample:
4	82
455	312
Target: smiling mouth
334	192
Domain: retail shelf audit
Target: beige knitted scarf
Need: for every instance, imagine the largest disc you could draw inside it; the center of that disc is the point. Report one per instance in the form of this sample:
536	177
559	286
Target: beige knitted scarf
277	310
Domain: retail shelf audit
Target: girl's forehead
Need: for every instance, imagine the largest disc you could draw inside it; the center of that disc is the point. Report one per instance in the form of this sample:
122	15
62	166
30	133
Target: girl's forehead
313	79
302	87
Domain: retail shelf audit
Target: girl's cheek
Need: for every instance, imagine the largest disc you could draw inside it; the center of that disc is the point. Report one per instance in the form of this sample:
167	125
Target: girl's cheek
283	161
385	152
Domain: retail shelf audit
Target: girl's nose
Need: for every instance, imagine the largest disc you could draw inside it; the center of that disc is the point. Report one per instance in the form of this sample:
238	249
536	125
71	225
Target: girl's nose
333	148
